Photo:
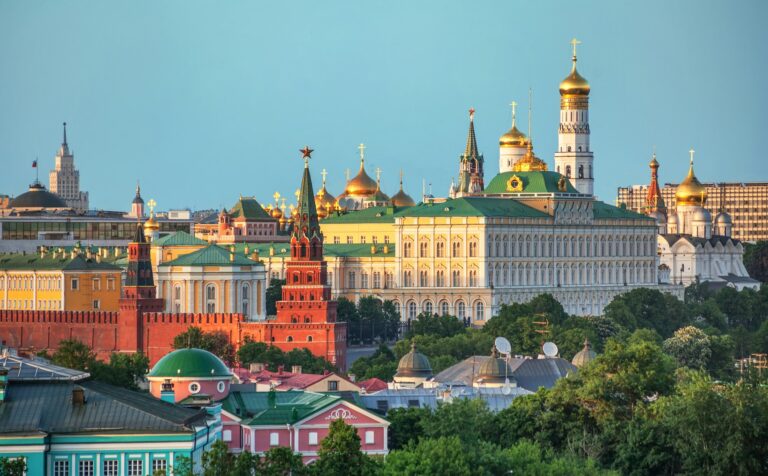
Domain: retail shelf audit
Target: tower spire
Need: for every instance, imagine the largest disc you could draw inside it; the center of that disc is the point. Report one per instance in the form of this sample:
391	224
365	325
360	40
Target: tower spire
65	134
514	112
470	151
574	43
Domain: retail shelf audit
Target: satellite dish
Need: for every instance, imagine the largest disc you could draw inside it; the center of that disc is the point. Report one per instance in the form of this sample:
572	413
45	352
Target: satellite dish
550	349
503	345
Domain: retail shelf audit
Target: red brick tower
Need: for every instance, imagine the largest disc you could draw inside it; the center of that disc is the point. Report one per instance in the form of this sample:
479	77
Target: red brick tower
139	295
306	294
654	202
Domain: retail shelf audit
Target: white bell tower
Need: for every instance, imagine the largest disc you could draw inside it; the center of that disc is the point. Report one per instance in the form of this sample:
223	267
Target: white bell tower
574	157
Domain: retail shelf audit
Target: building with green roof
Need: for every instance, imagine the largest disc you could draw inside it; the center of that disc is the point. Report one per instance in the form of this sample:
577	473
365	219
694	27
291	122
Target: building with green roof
246	221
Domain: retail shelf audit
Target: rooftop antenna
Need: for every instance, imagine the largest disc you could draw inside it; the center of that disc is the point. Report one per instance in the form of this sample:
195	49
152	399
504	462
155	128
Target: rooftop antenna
504	348
550	349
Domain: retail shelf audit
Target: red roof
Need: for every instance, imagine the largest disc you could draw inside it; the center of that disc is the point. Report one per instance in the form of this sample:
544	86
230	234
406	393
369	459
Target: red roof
284	380
372	385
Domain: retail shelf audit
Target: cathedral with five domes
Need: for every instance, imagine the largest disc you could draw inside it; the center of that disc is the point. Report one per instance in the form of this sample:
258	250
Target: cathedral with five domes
529	229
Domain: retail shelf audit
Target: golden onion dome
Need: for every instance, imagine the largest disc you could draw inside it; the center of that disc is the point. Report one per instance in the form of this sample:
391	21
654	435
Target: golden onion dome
529	162
323	198
151	224
513	138
691	191
361	184
574	84
276	213
402	199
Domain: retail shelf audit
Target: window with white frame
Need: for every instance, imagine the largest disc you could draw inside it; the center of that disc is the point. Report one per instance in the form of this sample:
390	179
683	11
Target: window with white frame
96	283
96	304
61	467
226	435
364	280
376	280
210	298
370	437
135	467
351	280
313	438
75	284
274	439
177	298
159	466
110	467
85	467
194	387
246	293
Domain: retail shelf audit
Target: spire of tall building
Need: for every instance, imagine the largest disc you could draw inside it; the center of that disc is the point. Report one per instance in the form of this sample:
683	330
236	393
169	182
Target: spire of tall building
306	226
470	151
64	179
471	162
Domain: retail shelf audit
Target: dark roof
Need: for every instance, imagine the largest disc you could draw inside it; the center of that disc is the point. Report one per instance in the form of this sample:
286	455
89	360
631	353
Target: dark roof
529	374
673	238
35	407
250	209
23	369
19	261
287	407
37	197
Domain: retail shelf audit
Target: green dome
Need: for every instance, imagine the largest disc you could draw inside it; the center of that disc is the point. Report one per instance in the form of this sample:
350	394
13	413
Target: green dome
183	363
414	364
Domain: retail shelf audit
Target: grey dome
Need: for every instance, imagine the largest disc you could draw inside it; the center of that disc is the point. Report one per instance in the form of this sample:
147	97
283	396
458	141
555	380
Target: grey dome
584	356
723	218
702	214
37	197
414	364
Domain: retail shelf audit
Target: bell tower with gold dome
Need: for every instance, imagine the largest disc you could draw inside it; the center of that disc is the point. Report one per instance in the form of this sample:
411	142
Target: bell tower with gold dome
512	145
574	158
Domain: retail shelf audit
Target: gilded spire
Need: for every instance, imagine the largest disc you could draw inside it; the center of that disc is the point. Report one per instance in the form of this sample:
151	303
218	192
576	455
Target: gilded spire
574	84
691	191
530	115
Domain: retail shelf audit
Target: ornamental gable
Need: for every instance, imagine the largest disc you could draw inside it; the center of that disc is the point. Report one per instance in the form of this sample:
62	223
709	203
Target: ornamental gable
350	414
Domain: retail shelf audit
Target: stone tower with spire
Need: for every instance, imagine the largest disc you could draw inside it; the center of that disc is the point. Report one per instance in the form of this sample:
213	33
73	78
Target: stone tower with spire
574	157
470	164
64	179
306	294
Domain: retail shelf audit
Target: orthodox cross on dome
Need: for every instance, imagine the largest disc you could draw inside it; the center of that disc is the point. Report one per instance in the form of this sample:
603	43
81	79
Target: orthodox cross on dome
324	173
276	196
362	148
151	204
306	154
691	152
574	42
297	193
514	111
378	174
401	178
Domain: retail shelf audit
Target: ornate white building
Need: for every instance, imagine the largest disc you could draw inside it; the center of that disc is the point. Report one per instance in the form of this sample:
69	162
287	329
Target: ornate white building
691	245
528	231
64	179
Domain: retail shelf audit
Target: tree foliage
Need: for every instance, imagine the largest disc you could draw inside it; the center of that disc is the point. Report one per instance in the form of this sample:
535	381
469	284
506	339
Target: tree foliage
274	293
122	370
273	357
216	342
340	453
756	260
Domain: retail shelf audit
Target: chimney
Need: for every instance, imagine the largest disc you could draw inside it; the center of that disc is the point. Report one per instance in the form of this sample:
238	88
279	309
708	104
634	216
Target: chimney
386	249
373	249
78	396
296	369
232	253
280	369
3	383
256	367
166	392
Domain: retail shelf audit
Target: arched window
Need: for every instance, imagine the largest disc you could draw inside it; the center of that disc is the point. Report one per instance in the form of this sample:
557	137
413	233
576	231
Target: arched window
289	339
444	308
461	310
479	311
440	278
407	279
423	278
245	299
210	298
472	278
177	298
407	246
427	307
411	310
568	168
472	249
424	249
376	280
456	249
456	278
581	169
440	249
309	338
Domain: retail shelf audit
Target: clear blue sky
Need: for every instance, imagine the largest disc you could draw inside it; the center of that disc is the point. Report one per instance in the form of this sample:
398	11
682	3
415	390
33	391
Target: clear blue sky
203	101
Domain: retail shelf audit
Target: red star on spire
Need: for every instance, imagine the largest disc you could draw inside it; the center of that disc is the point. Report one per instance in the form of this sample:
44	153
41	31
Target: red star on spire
306	152
471	113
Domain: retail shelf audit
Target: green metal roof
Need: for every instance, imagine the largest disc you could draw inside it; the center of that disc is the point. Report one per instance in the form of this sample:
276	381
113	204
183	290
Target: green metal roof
474	207
250	209
276	408
367	215
189	363
180	238
603	210
211	255
19	261
533	182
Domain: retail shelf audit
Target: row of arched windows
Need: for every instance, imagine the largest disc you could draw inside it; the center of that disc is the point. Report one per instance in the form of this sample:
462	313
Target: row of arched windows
545	246
459	309
581	274
440	248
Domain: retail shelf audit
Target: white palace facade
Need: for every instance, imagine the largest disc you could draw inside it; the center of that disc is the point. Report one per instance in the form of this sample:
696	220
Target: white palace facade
525	232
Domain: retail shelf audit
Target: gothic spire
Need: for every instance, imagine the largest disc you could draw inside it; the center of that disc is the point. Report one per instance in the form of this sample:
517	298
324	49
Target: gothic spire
470	152
306	224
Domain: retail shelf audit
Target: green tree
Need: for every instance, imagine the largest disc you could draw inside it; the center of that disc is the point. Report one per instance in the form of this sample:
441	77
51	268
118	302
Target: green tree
690	346
281	461
215	342
346	311
434	325
123	370
218	461
382	364
274	293
405	425
469	415
13	466
273	357
340	453
74	354
444	455
756	260
647	308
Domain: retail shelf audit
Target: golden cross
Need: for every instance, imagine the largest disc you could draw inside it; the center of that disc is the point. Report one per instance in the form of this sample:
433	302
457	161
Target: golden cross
378	174
514	111
297	193
575	42
362	151
691	152
401	177
151	204
324	173
283	205
276	196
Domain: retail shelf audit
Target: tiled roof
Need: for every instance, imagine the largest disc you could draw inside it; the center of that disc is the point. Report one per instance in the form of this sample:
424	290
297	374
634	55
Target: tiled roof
530	374
18	261
212	255
474	207
46	407
372	385
533	182
250	209
255	408
180	238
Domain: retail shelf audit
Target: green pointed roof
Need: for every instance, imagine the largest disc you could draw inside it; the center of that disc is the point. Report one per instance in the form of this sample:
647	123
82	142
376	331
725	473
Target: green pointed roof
189	363
211	255
533	182
180	238
250	209
306	223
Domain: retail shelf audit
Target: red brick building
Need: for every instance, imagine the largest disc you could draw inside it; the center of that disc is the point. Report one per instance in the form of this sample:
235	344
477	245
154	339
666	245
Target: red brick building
306	316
